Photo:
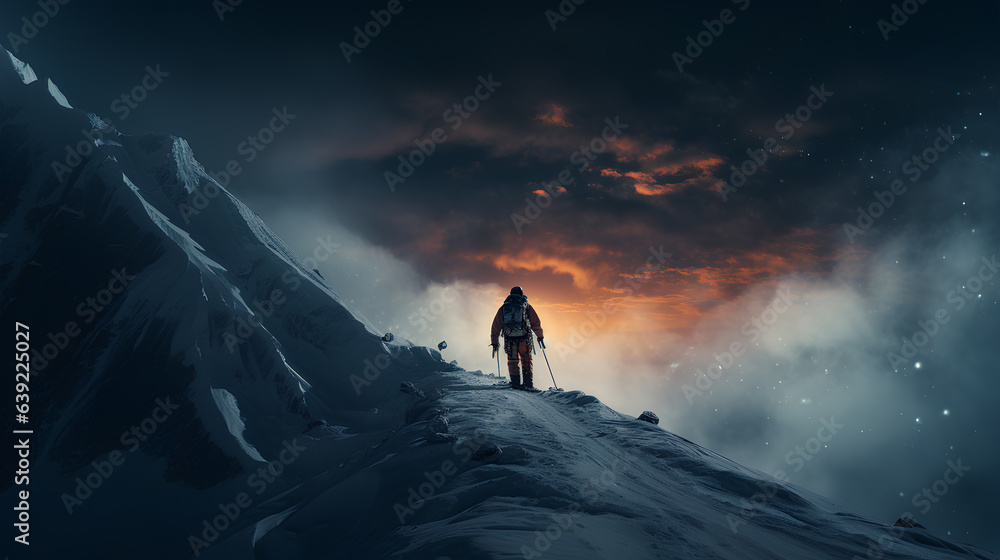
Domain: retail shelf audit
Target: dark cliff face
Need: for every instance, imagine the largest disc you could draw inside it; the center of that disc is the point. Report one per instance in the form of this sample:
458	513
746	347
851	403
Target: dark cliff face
143	282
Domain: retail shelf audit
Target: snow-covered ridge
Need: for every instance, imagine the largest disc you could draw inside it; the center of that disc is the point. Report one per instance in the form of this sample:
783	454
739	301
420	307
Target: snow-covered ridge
230	410
58	95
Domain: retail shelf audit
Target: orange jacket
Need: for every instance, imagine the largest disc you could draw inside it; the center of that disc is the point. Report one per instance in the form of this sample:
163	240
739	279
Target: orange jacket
533	321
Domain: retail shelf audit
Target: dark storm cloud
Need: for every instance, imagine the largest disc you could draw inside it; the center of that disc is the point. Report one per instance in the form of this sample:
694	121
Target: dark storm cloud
602	62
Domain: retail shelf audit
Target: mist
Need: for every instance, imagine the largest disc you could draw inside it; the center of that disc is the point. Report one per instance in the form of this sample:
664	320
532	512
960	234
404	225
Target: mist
808	377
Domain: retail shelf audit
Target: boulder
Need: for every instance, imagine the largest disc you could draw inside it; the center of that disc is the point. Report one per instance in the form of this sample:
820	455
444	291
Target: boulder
648	416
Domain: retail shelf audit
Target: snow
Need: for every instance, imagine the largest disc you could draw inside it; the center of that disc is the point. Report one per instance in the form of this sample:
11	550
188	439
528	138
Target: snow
97	122
194	251
190	173
268	523
575	480
230	410
23	70
58	95
303	384
103	142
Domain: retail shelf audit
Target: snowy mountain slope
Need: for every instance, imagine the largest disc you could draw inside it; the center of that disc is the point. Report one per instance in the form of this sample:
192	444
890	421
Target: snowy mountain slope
132	305
217	399
575	479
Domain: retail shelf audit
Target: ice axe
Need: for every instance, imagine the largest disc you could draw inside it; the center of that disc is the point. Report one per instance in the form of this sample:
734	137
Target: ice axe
542	344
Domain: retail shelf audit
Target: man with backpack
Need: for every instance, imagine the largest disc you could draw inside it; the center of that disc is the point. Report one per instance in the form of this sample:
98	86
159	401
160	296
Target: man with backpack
516	319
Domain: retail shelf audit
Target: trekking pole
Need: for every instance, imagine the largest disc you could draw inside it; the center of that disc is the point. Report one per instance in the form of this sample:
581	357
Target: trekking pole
497	354
542	344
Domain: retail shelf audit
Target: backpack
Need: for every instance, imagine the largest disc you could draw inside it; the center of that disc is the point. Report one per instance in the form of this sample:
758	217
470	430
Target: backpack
514	315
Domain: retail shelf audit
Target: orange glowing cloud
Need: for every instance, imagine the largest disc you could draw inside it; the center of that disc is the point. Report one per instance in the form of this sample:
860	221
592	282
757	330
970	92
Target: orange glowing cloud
573	275
639	176
582	276
541	192
692	164
556	115
657	181
663	168
645	184
677	296
730	275
631	149
652	189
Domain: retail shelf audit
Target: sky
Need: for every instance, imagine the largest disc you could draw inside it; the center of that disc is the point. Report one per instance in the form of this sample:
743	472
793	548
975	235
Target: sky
773	225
